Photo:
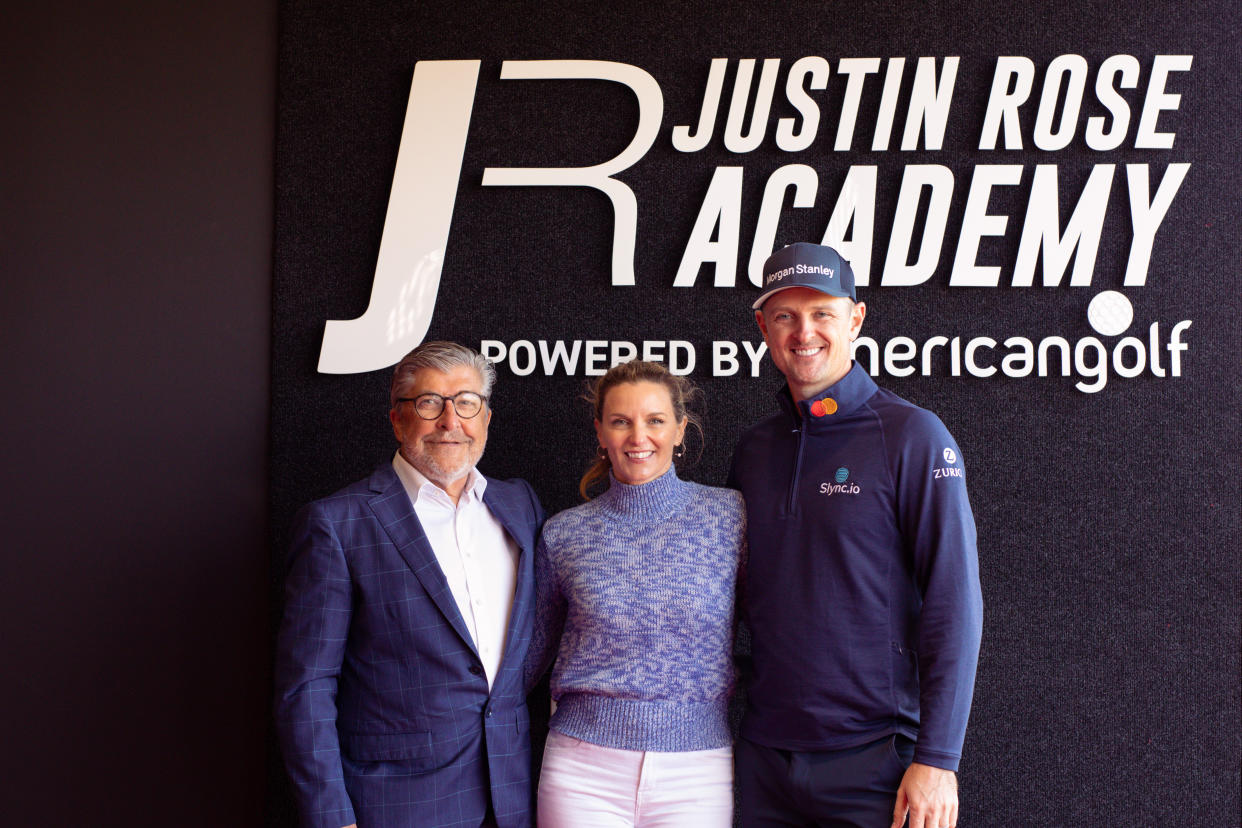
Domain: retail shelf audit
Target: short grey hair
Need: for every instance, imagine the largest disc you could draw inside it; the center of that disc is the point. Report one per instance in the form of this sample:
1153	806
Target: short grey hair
443	357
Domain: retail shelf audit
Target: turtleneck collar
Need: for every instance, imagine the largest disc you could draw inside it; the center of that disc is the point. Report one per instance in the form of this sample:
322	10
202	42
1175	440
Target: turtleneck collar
838	400
647	502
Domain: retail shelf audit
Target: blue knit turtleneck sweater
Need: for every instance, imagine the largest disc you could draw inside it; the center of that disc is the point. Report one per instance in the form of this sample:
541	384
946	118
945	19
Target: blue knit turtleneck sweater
636	587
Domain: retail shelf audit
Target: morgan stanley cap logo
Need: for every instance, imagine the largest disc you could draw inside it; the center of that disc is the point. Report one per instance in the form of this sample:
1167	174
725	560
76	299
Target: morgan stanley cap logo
807	265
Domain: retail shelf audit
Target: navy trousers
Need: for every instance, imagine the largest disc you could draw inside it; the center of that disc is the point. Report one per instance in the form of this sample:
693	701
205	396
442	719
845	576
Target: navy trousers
851	788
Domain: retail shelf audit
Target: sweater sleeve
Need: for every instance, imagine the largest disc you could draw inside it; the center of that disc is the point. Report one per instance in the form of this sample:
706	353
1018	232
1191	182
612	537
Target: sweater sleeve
939	532
550	609
733	482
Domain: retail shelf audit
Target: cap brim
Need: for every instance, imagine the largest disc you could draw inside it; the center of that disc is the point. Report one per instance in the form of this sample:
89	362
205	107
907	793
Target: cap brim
769	294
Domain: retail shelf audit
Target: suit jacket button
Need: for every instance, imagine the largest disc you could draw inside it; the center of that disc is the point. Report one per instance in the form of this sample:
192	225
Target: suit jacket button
476	669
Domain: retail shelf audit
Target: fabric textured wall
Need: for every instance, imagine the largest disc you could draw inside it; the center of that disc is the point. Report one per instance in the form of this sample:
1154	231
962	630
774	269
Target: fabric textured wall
1108	521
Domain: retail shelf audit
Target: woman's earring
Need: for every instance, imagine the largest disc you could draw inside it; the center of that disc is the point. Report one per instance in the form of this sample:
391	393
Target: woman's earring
679	450
601	452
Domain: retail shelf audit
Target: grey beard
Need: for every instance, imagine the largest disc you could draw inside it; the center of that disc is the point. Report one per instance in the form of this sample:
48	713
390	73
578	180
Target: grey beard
437	473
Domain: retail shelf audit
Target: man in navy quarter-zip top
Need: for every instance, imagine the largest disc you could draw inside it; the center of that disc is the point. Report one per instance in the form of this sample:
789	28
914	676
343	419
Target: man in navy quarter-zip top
862	587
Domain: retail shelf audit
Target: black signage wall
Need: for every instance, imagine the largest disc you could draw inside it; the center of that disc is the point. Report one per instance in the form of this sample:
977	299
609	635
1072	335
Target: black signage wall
1043	201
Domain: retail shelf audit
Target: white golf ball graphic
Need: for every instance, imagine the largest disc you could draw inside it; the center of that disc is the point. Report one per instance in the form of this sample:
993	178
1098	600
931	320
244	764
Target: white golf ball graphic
1110	313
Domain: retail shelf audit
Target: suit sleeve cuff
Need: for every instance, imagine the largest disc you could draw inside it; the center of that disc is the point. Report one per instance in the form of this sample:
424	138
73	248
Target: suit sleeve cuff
330	818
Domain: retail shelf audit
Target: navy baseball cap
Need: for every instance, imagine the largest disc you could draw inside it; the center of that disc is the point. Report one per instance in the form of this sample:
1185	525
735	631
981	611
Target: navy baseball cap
807	265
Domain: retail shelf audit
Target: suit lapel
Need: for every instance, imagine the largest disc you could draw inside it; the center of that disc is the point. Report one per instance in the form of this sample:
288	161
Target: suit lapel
395	513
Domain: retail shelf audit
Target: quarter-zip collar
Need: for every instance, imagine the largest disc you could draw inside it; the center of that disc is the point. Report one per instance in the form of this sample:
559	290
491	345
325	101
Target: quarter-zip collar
838	400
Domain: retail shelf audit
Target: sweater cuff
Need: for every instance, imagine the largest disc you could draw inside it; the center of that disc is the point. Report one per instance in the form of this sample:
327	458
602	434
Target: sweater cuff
632	724
936	758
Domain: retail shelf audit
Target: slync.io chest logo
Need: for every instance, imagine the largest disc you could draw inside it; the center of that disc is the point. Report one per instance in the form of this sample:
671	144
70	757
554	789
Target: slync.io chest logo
842	484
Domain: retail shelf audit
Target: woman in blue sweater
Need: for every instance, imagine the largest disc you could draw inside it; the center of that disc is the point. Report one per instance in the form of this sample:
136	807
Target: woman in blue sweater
635	602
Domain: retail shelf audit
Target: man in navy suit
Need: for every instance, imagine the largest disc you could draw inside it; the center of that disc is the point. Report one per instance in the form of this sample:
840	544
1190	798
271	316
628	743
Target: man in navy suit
409	599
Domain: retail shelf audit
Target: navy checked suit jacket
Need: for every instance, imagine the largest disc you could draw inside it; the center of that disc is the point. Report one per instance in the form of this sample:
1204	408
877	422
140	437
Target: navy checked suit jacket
382	706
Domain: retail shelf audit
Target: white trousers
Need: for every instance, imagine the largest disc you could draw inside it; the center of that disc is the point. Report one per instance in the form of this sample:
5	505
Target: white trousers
583	785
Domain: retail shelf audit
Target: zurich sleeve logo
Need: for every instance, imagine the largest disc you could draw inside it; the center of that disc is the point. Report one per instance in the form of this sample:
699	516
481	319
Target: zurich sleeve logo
952	470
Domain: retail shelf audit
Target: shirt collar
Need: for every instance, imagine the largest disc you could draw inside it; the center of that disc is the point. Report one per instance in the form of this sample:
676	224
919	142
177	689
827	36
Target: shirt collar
418	486
838	400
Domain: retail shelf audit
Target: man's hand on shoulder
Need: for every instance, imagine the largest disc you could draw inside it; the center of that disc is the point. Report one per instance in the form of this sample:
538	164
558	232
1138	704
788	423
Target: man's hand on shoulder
929	795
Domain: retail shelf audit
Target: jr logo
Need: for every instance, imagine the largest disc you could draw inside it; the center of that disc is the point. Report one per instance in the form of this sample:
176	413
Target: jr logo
424	190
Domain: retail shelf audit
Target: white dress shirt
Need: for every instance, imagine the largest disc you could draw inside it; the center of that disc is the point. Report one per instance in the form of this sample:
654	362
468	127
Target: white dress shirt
474	551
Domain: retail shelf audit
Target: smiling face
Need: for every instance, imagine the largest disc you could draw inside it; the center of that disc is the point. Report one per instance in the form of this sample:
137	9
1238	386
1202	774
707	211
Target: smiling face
639	429
446	448
809	335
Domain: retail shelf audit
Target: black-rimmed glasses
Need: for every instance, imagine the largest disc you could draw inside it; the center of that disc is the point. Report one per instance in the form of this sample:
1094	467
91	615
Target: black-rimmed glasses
429	406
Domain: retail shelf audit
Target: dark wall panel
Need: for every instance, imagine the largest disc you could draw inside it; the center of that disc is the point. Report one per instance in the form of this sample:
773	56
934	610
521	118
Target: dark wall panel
136	256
